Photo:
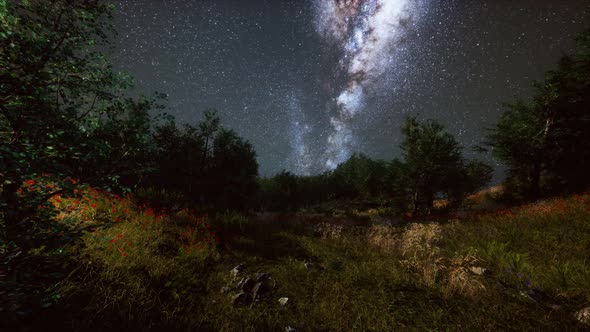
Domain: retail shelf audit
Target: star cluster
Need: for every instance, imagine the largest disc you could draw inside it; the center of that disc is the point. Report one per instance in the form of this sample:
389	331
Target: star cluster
310	82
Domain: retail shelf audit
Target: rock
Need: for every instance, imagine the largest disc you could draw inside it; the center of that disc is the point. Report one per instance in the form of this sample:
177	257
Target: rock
262	277
240	298
527	296
225	289
283	301
246	284
310	266
290	329
240	267
554	306
478	270
583	316
259	289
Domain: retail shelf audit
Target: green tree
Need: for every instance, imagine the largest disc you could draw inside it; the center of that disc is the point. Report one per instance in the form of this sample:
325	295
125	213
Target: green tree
359	176
54	99
519	139
546	142
210	165
433	164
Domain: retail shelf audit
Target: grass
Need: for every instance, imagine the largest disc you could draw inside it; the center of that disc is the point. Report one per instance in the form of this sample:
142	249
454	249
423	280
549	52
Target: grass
139	269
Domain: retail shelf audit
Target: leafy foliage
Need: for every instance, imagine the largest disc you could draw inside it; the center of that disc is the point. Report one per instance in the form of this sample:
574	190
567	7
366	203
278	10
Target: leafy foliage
545	141
432	164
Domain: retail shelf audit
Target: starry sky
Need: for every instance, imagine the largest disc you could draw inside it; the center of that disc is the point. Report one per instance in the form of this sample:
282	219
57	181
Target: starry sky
309	82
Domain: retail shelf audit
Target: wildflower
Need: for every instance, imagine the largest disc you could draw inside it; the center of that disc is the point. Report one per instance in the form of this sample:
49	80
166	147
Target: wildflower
119	236
519	275
508	271
124	254
112	241
528	283
93	205
30	182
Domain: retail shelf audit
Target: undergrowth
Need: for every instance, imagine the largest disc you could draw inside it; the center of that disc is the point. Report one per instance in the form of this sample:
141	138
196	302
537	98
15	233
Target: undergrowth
137	268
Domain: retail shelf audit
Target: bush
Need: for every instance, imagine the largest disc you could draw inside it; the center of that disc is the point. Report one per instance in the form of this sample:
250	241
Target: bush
160	198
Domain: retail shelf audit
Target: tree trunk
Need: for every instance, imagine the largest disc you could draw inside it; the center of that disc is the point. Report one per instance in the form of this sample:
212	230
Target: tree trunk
415	203
534	190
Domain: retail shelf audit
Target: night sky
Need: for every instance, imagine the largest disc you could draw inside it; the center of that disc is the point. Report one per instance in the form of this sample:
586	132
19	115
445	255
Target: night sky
308	82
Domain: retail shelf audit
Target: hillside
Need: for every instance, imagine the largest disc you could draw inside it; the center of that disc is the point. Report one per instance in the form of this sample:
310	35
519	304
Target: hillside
134	268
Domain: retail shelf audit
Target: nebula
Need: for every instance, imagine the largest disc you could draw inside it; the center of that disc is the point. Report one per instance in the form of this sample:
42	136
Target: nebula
299	129
365	32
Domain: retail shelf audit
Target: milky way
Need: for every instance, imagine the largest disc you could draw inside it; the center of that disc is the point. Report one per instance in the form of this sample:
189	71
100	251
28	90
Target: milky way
367	33
308	82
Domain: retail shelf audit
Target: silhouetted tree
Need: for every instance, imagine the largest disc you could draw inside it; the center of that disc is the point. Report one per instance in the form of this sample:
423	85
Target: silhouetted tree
432	164
546	142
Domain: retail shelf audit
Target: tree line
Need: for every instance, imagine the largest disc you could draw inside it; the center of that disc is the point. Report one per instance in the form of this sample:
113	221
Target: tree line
65	111
431	166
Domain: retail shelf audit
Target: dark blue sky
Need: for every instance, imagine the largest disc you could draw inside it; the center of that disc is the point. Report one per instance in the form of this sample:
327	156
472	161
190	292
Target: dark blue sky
275	76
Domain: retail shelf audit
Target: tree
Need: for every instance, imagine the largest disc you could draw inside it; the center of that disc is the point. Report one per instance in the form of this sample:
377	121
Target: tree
359	176
234	171
432	164
546	142
53	100
519	139
210	165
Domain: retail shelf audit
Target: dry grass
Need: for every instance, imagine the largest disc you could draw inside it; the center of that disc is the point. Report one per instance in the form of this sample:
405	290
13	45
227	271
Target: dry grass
329	230
460	280
383	238
420	254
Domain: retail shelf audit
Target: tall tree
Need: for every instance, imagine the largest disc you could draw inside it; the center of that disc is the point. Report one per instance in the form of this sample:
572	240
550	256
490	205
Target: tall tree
54	98
546	142
432	164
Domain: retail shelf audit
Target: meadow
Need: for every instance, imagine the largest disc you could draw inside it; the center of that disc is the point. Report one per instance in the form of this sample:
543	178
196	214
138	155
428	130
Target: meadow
114	262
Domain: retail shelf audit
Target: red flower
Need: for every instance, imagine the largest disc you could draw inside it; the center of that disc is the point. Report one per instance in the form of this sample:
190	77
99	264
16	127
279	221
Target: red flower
119	236
30	182
93	205
112	241
124	254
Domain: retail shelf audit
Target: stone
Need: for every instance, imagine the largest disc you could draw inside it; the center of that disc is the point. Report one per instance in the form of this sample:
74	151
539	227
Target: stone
290	329
225	289
262	277
236	270
259	289
478	270
310	266
246	284
240	298
583	316
527	296
283	301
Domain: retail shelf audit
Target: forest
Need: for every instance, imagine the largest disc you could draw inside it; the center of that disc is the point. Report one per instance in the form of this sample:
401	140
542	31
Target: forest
115	215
